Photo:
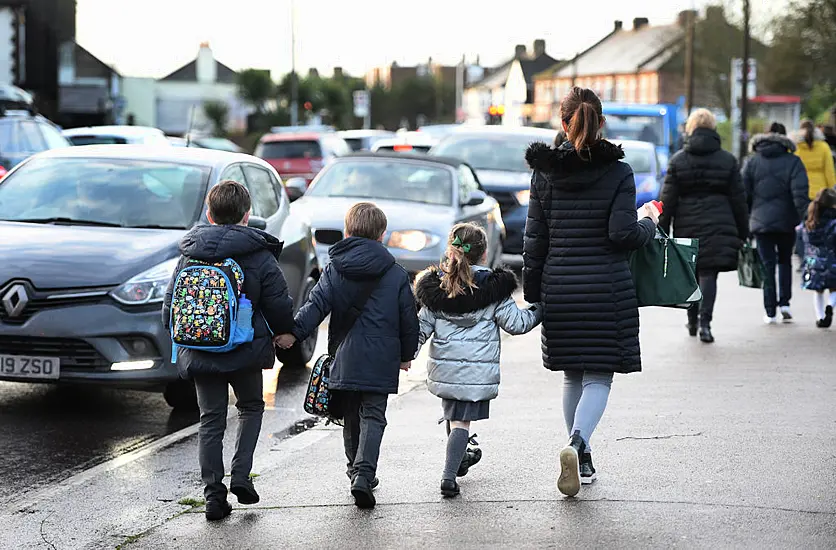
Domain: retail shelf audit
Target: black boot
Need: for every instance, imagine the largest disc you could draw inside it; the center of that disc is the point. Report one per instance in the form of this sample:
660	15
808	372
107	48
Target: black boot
693	314
217	510
587	469
705	334
245	492
449	488
569	482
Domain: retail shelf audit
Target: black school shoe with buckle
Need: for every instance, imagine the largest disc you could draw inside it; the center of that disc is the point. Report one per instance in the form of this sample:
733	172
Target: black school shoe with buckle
361	490
587	469
471	457
217	510
569	481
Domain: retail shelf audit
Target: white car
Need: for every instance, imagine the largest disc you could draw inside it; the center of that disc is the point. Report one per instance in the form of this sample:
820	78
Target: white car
111	135
405	142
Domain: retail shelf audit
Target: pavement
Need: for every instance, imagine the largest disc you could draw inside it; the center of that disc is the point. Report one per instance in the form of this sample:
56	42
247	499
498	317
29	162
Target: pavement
730	445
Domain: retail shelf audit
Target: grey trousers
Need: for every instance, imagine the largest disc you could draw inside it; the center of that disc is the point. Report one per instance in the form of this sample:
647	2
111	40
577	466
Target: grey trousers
364	420
213	399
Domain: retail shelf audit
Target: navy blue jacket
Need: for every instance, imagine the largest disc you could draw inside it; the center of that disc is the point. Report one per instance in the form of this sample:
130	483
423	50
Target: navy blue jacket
386	333
257	253
776	185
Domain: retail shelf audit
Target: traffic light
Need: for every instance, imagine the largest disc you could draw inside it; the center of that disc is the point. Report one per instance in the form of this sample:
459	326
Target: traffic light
495	113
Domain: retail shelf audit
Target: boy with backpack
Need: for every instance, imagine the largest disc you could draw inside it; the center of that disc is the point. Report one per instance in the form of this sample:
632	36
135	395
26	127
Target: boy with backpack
383	339
225	296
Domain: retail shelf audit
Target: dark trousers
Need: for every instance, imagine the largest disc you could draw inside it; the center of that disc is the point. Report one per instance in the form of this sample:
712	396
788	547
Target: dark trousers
776	249
364	420
213	399
704	311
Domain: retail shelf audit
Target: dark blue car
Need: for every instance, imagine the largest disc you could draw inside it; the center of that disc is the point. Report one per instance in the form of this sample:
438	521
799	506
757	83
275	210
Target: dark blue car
647	170
497	153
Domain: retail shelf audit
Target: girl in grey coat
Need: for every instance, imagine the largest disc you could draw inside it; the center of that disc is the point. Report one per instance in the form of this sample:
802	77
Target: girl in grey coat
463	306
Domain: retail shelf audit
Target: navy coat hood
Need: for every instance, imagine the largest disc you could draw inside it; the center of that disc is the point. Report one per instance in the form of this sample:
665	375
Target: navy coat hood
358	259
218	242
772	145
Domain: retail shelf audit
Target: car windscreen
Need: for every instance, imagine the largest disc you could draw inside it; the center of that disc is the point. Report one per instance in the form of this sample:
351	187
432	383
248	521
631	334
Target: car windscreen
296	149
128	193
640	159
97	140
638	128
386	180
488	152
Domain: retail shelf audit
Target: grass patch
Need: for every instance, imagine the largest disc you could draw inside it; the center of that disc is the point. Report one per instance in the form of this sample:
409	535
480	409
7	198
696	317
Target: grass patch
130	540
253	476
193	502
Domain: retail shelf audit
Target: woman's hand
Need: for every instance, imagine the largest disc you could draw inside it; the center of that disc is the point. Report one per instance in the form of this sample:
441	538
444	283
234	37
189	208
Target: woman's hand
650	210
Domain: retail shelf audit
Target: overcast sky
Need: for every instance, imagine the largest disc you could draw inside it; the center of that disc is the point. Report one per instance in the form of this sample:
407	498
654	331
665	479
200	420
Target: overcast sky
155	37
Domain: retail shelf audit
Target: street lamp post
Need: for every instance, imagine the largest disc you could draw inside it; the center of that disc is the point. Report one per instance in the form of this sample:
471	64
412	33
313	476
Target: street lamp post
294	78
744	98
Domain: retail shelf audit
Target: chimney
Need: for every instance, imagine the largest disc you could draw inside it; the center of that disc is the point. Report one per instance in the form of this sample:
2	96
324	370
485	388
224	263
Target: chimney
715	13
619	25
519	51
640	22
207	68
682	18
539	47
313	73
338	72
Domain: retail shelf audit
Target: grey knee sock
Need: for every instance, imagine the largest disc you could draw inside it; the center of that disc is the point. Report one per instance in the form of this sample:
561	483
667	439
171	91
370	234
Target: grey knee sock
456	447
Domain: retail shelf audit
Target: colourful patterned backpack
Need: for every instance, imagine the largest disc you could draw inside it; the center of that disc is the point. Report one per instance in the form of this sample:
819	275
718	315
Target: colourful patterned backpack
208	310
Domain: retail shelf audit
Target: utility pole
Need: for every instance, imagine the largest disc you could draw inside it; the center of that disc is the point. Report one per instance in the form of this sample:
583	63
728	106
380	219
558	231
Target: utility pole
459	88
689	61
294	78
744	97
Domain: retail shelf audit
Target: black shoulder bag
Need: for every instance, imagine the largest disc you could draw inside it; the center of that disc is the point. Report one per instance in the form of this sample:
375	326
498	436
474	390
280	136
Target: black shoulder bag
318	400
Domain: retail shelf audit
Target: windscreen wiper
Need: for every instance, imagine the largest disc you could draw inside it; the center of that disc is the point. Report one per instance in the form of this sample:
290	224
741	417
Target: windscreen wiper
68	221
158	226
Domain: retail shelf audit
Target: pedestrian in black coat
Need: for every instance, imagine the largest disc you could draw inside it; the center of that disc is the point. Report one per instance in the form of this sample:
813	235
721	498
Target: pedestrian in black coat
582	222
704	199
777	191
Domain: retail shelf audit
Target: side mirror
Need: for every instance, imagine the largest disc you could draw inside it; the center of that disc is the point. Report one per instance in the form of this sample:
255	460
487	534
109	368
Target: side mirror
295	188
257	223
475	198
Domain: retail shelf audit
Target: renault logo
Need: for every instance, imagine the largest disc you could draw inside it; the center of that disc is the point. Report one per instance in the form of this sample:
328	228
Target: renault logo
15	300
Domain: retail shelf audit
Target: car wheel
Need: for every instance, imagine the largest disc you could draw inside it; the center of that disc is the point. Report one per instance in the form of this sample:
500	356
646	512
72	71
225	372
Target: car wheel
181	395
300	354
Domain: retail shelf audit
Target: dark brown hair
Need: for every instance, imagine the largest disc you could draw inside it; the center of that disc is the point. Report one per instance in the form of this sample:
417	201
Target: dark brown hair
228	202
809	132
778	128
365	220
582	113
824	200
471	244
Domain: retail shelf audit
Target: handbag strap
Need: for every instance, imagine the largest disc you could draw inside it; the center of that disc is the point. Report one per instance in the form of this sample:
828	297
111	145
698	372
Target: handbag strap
355	309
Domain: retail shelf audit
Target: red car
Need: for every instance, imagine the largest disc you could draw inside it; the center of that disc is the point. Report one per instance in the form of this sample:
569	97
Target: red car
300	154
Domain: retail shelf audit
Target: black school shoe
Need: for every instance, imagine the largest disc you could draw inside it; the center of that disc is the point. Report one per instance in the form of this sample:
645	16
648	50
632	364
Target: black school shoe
471	458
449	488
828	318
217	510
361	490
245	492
569	482
587	469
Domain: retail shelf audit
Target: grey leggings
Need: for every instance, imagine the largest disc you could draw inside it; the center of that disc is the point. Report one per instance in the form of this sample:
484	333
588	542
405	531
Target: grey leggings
585	395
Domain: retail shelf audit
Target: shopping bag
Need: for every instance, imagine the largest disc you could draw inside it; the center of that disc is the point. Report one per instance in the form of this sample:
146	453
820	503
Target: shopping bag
665	272
750	270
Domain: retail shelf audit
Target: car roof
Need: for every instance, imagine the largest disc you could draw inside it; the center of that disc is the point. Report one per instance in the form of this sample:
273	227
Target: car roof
449	161
364	133
504	130
112	130
210	158
294	136
407	138
634	144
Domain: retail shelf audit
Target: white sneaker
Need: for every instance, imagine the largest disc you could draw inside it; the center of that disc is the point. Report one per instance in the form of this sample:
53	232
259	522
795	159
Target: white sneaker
786	316
770	320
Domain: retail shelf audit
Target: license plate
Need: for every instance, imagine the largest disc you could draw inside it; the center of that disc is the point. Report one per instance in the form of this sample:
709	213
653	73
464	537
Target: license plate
20	366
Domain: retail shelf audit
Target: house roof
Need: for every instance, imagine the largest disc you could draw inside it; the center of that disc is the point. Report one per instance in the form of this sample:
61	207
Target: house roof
531	67
188	73
626	51
497	78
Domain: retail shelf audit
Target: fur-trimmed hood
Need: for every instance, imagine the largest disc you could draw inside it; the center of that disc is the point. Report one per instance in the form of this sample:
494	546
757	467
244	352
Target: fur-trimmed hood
492	287
771	145
564	168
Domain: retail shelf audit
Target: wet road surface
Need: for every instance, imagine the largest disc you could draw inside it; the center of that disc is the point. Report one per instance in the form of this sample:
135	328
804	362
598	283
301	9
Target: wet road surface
48	433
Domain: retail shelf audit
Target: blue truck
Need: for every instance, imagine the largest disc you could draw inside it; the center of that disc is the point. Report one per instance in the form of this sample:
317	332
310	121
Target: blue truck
658	124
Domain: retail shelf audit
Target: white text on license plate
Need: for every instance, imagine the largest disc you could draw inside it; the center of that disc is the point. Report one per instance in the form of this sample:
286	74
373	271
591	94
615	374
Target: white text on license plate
26	367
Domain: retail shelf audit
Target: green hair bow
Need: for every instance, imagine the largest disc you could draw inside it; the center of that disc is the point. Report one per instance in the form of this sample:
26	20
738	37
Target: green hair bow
457	242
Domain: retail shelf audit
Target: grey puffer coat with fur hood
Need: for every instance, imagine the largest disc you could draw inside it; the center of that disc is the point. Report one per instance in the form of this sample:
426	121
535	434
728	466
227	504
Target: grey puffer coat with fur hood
465	348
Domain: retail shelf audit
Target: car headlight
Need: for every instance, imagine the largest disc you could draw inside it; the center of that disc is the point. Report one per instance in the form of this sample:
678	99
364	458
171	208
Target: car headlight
411	240
648	185
148	287
523	196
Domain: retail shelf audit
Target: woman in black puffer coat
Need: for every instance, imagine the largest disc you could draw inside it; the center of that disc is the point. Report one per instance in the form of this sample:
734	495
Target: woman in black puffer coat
703	197
582	222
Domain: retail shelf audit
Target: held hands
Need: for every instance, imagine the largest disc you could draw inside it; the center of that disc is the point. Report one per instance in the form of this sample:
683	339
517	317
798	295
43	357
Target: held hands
284	341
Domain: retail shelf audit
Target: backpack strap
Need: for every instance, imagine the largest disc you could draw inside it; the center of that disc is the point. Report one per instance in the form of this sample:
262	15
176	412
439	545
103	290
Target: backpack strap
354	311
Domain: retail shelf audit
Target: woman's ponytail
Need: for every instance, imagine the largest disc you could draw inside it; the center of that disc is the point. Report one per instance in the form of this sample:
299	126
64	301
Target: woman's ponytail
809	132
465	248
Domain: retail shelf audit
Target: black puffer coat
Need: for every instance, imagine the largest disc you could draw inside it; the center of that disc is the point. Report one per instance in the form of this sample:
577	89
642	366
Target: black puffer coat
776	185
386	333
703	197
257	253
581	224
